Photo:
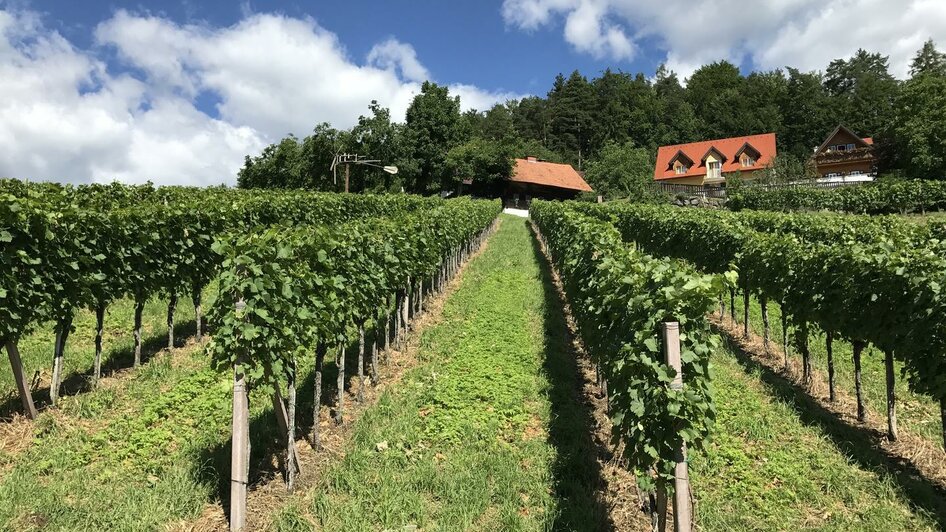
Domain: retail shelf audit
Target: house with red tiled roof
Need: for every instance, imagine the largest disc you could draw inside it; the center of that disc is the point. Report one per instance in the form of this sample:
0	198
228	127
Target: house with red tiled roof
845	156
532	178
708	162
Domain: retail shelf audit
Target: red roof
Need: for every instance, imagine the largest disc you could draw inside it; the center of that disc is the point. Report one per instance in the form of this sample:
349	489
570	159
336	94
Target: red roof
695	151
869	140
548	174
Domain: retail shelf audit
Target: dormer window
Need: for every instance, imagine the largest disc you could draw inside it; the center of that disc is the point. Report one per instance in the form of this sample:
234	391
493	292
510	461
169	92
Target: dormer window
747	155
680	163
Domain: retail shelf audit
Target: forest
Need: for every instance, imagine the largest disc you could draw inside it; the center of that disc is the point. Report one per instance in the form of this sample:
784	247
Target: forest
611	125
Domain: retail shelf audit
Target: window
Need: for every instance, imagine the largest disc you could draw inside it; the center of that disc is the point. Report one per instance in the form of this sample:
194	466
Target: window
850	147
748	160
714	169
681	169
840	147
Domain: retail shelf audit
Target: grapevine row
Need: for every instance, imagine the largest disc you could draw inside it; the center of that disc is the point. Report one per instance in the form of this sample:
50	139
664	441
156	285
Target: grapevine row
289	291
66	249
876	198
876	291
620	297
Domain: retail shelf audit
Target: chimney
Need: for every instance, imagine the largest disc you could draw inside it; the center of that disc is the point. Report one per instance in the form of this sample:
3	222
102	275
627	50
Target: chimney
531	158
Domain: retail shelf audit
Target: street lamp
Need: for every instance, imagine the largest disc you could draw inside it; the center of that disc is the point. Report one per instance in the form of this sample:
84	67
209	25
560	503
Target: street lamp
353	158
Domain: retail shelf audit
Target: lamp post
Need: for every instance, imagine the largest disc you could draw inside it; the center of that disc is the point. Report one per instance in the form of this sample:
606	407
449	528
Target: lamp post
349	159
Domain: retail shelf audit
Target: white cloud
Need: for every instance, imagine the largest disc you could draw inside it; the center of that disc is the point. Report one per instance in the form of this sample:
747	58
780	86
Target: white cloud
67	114
392	54
801	33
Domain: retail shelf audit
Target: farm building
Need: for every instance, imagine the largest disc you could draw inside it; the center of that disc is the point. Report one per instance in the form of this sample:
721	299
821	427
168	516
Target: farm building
707	162
532	178
844	156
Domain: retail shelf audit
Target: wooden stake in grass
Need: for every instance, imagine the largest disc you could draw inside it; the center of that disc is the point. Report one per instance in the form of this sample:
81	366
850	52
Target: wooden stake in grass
361	362
320	351
785	337
99	331
196	297
172	304
22	385
291	462
373	362
858	348
139	309
942	418
745	310
340	396
829	349
732	304
766	331
240	455
681	483
891	396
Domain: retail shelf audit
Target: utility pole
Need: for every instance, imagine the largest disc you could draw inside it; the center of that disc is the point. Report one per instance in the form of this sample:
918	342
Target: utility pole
347	175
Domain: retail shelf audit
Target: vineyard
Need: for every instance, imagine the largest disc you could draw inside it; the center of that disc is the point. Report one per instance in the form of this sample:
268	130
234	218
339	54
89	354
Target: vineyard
187	358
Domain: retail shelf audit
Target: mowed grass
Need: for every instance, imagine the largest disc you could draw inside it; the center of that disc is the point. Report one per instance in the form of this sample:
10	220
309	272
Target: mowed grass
766	469
917	413
486	434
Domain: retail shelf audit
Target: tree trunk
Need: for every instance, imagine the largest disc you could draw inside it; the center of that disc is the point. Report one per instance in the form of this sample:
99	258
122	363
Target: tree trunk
196	297
19	375
891	396
858	348
766	331
172	304
829	349
361	362
99	331
722	306
139	308
732	304
62	334
661	504
320	351
340	399
801	340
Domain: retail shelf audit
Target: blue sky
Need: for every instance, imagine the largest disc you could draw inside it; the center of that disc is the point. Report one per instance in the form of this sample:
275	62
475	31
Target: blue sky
180	91
459	42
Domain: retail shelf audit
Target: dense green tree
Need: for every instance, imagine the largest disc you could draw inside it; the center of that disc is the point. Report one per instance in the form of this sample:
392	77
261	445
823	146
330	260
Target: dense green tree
921	127
714	92
376	138
485	161
571	104
807	114
622	171
277	167
863	91
928	60
676	121
432	127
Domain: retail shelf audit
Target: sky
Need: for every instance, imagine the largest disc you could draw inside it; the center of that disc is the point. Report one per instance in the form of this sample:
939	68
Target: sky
179	91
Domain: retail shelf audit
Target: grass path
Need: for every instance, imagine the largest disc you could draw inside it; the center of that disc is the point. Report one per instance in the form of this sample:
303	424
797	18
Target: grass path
768	468
486	433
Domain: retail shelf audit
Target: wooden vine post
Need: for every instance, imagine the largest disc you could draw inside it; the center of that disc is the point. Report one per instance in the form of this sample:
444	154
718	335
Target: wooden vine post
681	477
23	386
240	453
